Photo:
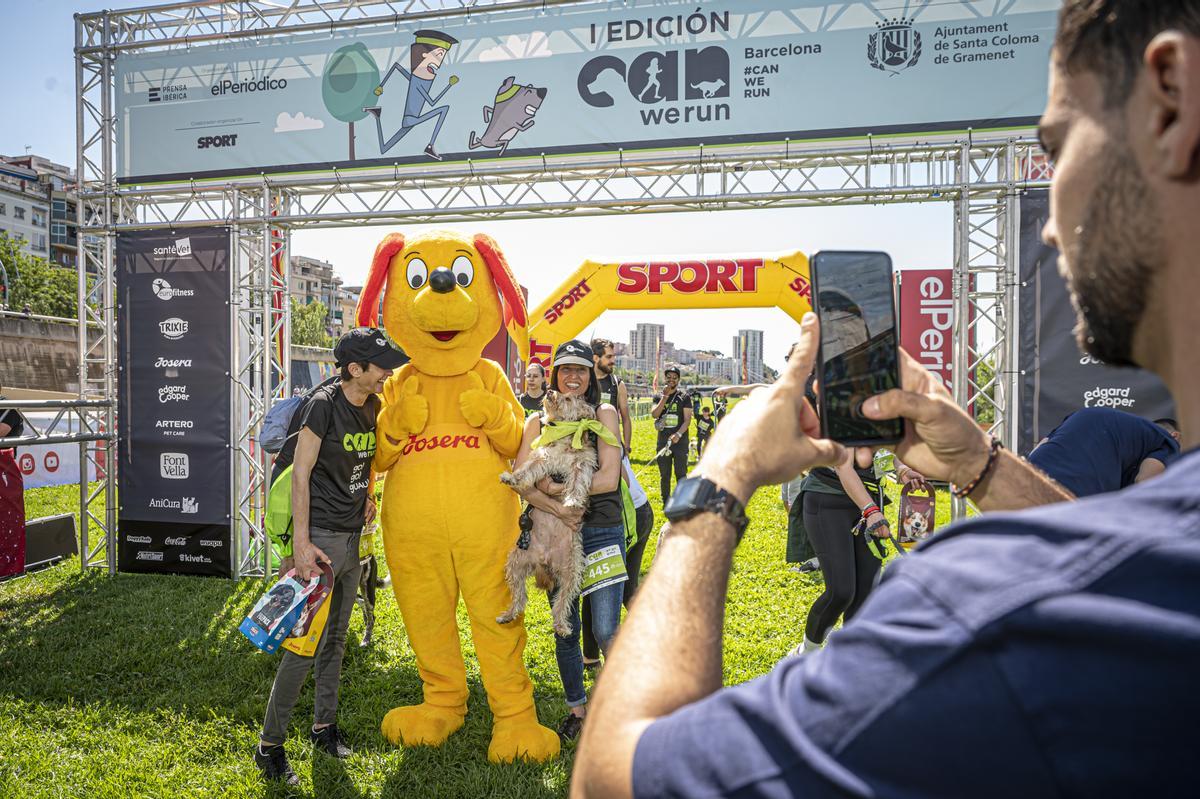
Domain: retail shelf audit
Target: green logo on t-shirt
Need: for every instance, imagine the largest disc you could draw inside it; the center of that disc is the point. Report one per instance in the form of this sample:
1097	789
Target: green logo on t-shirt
359	442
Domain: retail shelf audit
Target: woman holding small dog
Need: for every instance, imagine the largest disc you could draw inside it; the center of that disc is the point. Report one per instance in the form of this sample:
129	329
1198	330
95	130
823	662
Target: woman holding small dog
603	531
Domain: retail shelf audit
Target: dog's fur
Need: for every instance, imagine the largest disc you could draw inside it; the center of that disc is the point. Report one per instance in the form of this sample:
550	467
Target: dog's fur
916	525
555	553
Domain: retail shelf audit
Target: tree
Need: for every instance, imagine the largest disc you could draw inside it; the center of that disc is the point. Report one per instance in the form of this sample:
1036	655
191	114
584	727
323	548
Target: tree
985	401
47	289
308	325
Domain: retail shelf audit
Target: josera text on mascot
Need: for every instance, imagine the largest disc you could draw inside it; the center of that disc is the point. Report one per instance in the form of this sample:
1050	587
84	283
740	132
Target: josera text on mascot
449	426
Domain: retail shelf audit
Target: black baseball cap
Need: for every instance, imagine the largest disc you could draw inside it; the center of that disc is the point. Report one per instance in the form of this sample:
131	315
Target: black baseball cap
574	352
670	369
368	344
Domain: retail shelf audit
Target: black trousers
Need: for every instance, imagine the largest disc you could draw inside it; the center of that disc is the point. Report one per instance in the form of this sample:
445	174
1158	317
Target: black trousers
633	565
676	463
700	442
849	568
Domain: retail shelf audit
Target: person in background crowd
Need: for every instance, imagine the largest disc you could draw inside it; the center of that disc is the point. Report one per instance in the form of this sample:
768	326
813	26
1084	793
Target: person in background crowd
1097	450
614	391
672	414
720	406
1025	649
704	428
12	496
602	527
535	388
1172	428
799	548
331	502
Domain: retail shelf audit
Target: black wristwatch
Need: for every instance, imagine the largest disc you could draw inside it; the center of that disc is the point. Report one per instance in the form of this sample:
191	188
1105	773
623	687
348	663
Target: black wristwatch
700	495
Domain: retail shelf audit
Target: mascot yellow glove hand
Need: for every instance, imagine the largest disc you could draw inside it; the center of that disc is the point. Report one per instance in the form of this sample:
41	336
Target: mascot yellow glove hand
479	406
406	410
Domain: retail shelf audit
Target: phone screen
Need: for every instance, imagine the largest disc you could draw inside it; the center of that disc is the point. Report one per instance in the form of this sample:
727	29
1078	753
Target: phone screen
858	357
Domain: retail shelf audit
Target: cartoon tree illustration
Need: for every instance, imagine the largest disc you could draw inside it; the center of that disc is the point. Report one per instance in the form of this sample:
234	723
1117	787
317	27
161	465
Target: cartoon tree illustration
348	85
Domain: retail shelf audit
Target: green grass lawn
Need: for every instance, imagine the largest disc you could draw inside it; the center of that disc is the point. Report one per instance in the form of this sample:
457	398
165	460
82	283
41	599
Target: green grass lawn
140	685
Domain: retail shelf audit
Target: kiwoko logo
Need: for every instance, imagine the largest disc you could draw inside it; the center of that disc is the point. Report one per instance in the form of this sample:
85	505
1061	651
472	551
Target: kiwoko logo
162	289
173	328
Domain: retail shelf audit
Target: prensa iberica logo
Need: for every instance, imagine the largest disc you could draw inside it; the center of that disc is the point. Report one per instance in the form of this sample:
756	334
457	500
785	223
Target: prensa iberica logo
895	46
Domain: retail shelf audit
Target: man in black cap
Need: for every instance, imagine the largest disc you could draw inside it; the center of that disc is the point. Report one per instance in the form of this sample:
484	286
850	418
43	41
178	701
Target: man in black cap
330	454
672	414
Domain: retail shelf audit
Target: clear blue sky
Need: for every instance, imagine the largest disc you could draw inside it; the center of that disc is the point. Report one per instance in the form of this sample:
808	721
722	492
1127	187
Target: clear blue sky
39	83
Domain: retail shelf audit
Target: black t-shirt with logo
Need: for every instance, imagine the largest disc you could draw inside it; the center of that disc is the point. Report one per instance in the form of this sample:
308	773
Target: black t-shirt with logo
531	404
338	485
704	427
672	415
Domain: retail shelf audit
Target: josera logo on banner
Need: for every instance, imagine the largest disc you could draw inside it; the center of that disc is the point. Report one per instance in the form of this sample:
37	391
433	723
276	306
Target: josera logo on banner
1057	379
173	319
552	79
727	282
927	319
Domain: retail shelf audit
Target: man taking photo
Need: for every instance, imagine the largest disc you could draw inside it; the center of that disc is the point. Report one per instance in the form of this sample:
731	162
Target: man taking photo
330	457
1045	653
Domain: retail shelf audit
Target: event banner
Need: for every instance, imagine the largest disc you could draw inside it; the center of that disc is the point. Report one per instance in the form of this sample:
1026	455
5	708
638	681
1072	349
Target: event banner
1056	378
581	78
926	310
173	320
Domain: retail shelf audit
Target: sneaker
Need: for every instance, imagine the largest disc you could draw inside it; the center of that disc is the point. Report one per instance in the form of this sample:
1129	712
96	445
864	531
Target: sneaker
330	741
432	153
592	665
273	764
570	728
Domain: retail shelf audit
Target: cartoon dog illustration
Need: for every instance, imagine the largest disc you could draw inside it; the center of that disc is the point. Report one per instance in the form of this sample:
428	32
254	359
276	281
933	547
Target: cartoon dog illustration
449	426
513	112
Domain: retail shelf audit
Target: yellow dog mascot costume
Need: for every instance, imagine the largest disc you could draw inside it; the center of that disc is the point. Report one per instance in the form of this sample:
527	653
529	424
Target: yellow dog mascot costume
449	426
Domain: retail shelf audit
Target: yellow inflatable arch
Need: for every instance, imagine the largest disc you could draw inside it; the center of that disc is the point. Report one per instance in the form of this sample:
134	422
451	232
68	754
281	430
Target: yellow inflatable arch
719	282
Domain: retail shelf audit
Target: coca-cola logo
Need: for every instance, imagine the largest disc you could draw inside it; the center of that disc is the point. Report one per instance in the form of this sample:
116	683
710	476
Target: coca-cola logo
421	444
175	541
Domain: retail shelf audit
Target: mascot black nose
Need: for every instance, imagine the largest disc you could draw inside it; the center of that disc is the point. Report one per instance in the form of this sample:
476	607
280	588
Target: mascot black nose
442	280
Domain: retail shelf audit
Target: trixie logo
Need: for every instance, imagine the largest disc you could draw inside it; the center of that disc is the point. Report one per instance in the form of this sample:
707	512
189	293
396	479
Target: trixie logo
568	300
173	328
690	277
418	444
1108	398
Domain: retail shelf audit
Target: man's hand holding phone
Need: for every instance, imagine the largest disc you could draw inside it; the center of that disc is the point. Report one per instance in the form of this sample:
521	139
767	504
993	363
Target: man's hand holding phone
941	440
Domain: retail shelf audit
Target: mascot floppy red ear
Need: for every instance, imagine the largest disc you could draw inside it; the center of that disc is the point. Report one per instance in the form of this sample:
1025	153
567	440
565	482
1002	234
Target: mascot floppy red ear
515	318
367	314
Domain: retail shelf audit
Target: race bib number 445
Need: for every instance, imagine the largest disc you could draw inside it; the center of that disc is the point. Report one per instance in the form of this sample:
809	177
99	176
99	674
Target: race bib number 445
602	568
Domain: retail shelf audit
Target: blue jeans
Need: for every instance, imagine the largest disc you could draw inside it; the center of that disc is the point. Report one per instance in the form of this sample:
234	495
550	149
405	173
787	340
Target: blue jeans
605	605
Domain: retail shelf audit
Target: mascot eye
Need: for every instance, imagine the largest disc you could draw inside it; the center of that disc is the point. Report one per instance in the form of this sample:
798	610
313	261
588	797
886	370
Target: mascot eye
418	273
464	270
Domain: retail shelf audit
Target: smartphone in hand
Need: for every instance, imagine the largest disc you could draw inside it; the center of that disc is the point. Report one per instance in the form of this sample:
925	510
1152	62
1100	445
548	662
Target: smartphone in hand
858	356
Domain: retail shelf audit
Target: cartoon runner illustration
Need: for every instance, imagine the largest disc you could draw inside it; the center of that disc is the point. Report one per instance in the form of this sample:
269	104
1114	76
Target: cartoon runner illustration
425	57
652	73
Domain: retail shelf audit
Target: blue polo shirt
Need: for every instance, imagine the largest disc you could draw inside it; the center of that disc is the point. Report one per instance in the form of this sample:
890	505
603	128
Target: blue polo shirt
1048	653
1098	449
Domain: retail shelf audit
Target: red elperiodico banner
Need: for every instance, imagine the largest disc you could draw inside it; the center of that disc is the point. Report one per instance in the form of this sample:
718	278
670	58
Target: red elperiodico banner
926	304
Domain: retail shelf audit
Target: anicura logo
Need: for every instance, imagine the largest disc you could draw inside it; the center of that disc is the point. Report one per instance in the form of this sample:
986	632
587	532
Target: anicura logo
173	328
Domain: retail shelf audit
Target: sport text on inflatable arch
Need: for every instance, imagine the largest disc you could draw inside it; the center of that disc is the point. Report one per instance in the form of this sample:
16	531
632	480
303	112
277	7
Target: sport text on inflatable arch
719	282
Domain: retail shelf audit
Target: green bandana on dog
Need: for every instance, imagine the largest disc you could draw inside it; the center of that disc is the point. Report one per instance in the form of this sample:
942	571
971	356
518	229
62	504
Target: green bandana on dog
555	430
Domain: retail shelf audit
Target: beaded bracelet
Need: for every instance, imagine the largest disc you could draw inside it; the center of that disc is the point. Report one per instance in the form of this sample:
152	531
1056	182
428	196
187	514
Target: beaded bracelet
964	491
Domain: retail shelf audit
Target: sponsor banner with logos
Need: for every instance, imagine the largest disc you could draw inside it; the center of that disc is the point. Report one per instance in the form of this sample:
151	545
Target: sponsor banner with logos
926	310
779	281
173	320
44	465
150	547
590	78
1057	379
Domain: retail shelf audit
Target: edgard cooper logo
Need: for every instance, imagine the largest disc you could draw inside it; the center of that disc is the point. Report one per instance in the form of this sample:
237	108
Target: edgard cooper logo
895	46
173	328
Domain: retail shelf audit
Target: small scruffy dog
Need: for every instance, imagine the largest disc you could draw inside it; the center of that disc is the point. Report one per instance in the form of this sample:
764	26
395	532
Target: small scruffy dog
554	550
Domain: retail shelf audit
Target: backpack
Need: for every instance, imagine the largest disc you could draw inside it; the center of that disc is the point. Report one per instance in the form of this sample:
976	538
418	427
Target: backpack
273	433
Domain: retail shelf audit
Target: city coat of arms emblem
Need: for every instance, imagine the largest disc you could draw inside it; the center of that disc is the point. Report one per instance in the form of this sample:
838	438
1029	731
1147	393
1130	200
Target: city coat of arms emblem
895	46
